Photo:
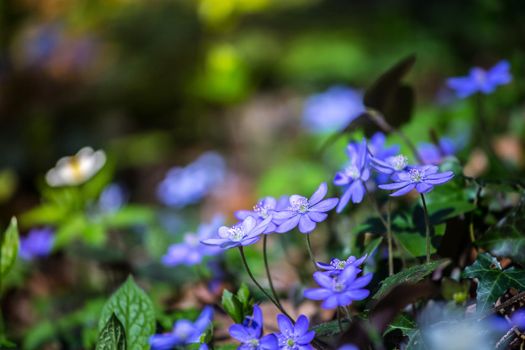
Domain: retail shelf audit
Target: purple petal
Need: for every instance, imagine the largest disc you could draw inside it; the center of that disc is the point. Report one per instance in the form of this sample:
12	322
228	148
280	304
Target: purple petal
317	293
214	241
358	192
362	281
316	216
269	342
283	215
323	279
238	332
326	205
358	294
393	185
285	325
307	337
306	225
289	224
243	214
341	179
344	200
330	303
423	187
404	190
249	223
319	194
301	325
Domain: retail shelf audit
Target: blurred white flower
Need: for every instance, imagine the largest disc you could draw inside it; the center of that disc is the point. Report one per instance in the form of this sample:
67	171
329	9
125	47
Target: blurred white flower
77	169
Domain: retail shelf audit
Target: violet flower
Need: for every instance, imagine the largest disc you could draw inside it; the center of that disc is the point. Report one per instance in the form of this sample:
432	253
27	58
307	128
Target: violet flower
481	80
184	332
354	176
432	154
332	110
294	337
390	165
305	212
249	333
191	251
421	178
336	266
265	208
378	149
38	243
241	234
340	290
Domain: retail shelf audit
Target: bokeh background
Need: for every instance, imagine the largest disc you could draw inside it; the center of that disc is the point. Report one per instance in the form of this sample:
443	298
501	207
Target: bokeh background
158	83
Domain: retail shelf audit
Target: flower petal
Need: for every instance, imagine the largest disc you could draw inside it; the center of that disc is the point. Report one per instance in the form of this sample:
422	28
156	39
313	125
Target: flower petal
323	279
393	185
403	190
285	325
326	205
317	293
362	281
317	217
344	200
306	225
289	224
423	187
319	194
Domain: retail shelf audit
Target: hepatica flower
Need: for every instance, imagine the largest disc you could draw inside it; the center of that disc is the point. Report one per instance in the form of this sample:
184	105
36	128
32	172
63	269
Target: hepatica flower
188	185
250	333
294	337
241	234
378	148
305	212
421	178
354	176
77	169
390	165
480	80
191	251
265	208
184	332
112	198
434	154
332	110
339	290
38	243
337	266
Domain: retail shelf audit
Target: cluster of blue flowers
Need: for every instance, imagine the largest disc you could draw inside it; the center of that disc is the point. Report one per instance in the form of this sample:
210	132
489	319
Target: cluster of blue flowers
290	336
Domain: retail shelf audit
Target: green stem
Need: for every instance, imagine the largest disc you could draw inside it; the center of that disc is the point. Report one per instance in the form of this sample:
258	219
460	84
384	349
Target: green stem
268	275
243	257
389	241
339	320
427	225
310	252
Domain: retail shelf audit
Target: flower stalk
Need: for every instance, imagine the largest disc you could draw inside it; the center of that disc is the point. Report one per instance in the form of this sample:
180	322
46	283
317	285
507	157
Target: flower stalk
427	225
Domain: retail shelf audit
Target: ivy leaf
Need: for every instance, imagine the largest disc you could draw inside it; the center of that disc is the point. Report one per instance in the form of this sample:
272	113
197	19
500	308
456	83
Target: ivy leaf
493	281
330	328
135	310
9	248
413	274
112	336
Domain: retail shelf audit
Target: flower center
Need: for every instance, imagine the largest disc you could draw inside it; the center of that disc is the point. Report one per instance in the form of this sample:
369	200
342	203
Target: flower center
261	210
290	342
416	175
236	233
352	172
338	264
398	162
254	343
300	205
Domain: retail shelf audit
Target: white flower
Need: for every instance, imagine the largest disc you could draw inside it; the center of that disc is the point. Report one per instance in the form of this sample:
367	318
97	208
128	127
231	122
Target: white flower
77	169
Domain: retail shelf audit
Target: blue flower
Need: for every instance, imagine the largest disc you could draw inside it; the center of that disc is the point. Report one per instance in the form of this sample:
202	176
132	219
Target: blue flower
188	185
241	234
336	266
434	154
294	337
192	251
355	175
38	243
305	212
249	333
184	332
422	178
348	347
265	208
332	110
378	148
112	198
390	165
480	80
339	290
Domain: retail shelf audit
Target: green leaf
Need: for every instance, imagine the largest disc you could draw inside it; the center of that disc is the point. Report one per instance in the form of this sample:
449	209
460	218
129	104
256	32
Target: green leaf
330	328
130	215
9	248
403	323
372	246
112	336
70	230
415	341
413	274
232	306
493	281
415	243
506	238
135	310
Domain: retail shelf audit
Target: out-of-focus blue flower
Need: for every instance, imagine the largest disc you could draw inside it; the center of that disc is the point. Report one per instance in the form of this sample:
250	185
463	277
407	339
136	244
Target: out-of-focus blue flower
336	266
191	251
38	243
188	185
348	347
294	337
390	165
355	175
264	209
41	43
184	332
112	198
305	212
332	110
422	178
480	80
434	154
249	333
339	290
241	234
